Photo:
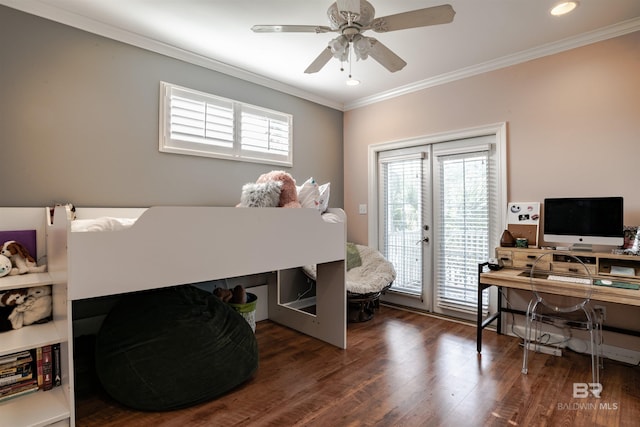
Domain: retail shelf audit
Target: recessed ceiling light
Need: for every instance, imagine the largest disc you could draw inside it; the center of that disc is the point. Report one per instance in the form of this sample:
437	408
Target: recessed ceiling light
563	8
352	82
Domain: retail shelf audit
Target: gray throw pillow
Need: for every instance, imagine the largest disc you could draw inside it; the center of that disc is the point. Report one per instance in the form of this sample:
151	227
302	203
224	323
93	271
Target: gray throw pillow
263	195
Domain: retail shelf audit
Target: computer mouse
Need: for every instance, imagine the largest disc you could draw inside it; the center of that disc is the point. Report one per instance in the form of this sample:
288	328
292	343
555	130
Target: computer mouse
606	282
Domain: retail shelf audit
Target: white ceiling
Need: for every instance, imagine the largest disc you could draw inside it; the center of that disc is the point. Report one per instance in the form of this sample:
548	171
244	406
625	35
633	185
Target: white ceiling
484	35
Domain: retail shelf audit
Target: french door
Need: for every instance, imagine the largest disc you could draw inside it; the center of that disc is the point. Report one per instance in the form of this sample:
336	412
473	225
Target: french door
405	222
438	216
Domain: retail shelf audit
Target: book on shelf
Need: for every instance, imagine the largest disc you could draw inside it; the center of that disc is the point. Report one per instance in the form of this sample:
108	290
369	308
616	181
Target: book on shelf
25	368
22	372
18	377
18	389
47	368
57	372
15	357
16	372
39	374
19	361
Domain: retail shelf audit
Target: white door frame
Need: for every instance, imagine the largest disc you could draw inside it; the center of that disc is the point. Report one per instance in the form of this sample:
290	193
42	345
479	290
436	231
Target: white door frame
497	129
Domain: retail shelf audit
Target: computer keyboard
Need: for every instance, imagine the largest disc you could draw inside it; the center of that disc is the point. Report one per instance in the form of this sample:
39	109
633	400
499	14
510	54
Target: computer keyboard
569	279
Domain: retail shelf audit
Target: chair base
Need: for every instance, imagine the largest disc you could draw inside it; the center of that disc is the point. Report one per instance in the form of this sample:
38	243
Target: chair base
361	307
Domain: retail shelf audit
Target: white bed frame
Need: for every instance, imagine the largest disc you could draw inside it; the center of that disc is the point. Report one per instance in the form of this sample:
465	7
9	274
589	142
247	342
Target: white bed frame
171	245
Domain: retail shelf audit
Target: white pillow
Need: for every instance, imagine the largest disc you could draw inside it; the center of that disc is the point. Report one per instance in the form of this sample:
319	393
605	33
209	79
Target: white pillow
312	195
323	200
263	195
309	193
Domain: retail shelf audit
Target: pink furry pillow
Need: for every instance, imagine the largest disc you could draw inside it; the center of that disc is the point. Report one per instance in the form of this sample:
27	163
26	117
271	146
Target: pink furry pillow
261	195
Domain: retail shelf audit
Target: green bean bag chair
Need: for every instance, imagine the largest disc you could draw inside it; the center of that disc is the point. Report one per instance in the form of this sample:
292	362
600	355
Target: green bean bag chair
172	348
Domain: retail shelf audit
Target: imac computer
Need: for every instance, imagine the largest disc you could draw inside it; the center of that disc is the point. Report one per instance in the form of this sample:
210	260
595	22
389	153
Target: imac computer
585	221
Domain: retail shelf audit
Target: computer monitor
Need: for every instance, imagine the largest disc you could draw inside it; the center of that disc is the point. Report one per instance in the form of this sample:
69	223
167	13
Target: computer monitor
584	221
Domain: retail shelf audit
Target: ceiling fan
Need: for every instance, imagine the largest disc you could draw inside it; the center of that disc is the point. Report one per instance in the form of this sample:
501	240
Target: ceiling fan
350	18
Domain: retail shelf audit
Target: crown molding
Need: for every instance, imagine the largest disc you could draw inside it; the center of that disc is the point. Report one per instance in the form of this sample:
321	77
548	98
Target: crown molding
584	39
62	16
74	20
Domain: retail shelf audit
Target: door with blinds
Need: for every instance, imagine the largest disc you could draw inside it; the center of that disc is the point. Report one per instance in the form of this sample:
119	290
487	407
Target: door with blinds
404	212
438	219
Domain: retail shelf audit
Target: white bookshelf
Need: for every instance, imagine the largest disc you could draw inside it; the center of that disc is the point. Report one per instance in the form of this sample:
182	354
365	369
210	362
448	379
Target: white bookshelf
40	408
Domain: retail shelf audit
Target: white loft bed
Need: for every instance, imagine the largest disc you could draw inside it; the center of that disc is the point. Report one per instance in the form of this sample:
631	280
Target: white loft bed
169	246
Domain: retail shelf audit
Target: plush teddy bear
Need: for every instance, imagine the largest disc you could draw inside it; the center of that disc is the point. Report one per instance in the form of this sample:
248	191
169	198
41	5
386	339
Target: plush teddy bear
288	192
12	297
236	296
20	258
36	306
224	294
5	265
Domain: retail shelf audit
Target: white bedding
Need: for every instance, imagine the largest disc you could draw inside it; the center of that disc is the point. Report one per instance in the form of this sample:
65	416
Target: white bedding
108	223
105	223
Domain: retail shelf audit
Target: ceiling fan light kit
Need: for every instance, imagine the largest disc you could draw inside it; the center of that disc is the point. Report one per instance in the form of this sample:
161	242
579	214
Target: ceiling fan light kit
351	18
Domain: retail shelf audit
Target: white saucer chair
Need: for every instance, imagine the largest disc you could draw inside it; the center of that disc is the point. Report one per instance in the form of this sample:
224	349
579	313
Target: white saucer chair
366	279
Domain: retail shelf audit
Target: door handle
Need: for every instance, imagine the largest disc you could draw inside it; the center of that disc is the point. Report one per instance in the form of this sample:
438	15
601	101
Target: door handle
423	240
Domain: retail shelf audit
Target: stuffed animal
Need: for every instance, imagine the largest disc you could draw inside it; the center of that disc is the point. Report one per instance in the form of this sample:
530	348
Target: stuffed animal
8	301
13	297
71	211
224	294
20	258
288	192
5	265
235	296
36	306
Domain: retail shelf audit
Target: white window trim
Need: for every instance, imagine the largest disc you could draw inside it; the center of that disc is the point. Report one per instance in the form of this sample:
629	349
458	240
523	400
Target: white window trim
167	144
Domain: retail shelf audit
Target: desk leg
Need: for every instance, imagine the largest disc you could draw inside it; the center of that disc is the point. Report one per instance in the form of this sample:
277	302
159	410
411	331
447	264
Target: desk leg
479	321
499	308
479	309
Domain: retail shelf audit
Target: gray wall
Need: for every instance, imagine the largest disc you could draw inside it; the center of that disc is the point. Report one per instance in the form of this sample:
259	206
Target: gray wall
79	123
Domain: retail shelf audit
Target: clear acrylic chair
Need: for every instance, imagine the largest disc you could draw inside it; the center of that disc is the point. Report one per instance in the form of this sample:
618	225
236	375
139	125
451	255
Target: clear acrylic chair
572	310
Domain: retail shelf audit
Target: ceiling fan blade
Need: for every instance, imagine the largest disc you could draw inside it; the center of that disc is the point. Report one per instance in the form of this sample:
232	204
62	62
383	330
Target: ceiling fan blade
290	29
320	61
442	14
385	56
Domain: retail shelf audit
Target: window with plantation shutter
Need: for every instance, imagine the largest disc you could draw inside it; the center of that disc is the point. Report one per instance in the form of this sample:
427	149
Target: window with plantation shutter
264	133
201	124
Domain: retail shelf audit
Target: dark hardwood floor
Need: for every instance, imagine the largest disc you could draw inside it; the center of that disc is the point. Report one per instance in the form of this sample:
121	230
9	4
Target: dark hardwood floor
400	369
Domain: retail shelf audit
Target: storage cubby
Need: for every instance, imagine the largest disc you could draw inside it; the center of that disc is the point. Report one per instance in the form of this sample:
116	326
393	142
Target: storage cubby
40	408
621	267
